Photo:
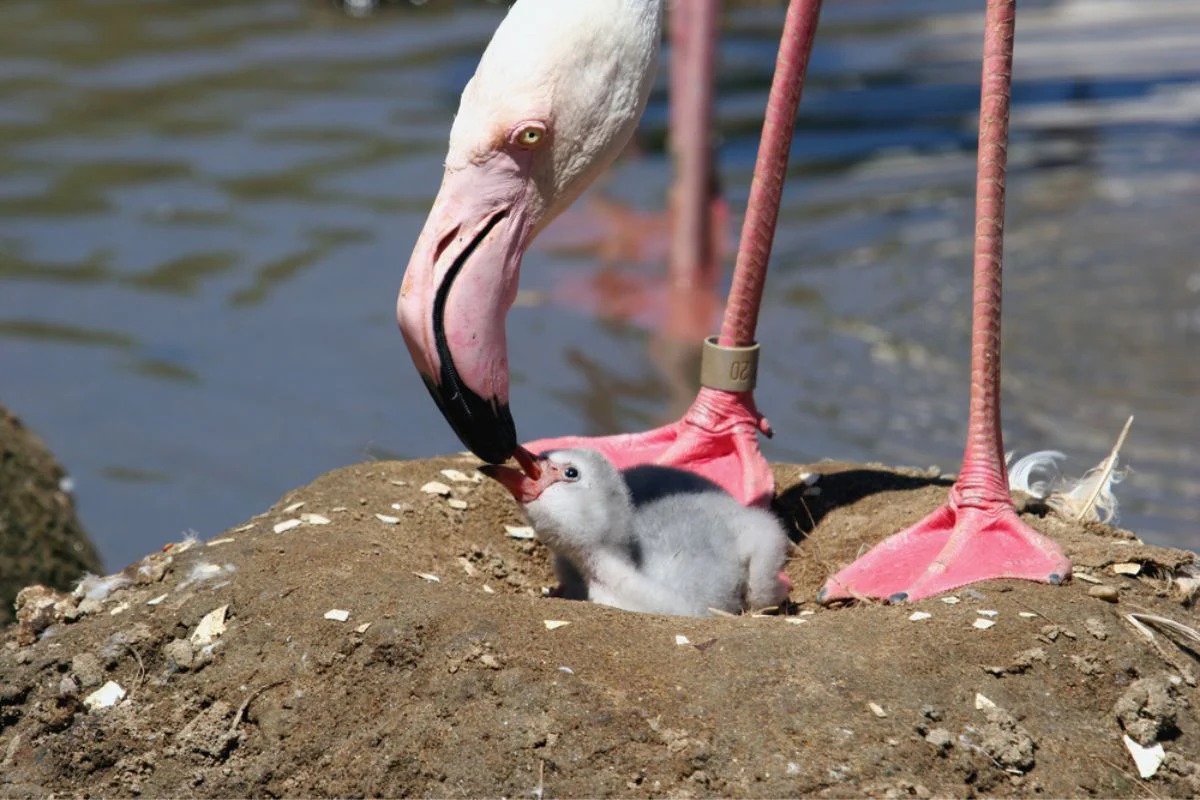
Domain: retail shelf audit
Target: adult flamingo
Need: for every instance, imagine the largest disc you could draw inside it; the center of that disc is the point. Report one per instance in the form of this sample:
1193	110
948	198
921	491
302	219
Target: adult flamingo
535	125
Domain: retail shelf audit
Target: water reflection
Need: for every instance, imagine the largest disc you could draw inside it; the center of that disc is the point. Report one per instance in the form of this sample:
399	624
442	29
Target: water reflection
205	210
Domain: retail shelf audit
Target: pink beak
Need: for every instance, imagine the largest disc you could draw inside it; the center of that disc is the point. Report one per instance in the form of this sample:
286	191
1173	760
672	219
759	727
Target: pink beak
528	483
460	283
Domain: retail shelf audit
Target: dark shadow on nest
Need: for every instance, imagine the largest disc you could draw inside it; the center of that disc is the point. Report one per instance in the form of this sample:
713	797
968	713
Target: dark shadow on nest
802	513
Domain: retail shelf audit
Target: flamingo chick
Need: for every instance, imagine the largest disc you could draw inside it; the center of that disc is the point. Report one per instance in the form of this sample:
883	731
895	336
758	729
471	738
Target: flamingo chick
652	539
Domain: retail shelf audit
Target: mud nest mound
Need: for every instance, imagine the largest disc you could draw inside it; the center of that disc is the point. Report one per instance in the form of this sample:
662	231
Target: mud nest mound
370	635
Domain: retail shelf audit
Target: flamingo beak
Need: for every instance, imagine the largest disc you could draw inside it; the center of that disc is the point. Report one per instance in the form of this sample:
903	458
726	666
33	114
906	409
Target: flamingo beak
525	484
459	285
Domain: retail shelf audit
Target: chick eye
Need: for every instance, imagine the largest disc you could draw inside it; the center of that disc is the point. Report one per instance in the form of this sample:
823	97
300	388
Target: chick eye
571	474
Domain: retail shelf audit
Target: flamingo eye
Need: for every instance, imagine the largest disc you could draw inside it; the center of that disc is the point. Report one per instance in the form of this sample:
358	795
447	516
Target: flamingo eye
530	135
571	474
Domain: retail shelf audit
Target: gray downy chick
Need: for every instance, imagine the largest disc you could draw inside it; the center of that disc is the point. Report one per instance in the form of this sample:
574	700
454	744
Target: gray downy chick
653	539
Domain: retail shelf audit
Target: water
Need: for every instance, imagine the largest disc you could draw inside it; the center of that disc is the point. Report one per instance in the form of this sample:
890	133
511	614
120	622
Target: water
206	208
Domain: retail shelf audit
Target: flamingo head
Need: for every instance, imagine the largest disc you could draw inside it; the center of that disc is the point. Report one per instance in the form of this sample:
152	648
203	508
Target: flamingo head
555	98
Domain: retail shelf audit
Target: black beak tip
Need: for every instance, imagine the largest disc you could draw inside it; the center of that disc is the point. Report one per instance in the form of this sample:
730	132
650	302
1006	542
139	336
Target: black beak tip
485	427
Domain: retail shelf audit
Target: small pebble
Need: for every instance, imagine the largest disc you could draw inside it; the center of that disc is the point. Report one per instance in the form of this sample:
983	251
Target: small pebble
180	653
436	487
917	616
1103	591
387	520
519	531
455	503
877	710
287	525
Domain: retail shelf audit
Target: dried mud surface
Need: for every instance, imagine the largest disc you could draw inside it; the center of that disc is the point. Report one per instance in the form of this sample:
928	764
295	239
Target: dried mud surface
458	688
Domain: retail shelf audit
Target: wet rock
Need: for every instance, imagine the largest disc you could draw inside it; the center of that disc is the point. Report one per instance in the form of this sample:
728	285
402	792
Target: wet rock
1006	742
1148	709
41	540
87	670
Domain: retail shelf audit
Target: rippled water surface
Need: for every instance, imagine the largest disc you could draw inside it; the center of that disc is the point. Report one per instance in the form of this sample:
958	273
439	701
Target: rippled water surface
206	208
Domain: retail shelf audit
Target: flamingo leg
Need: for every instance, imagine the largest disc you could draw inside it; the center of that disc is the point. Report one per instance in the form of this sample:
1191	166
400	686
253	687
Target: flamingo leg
977	535
698	210
718	436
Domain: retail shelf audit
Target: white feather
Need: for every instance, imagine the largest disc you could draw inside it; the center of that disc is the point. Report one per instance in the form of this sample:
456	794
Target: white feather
94	587
1089	498
1037	473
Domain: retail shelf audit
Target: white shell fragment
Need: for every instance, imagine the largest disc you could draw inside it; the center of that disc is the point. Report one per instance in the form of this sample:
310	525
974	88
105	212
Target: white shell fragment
427	576
294	507
210	627
983	624
488	590
215	542
552	624
877	710
119	608
405	507
567	670
436	487
1127	568
1027	614
982	703
681	639
287	525
1085	577
987	612
794	620
244	528
917	616
362	628
1147	759
387	519
458	476
337	615
314	519
951	600
156	600
519	531
107	695
455	503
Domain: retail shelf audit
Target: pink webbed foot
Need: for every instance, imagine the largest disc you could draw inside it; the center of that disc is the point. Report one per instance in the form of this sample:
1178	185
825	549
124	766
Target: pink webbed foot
952	547
717	439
